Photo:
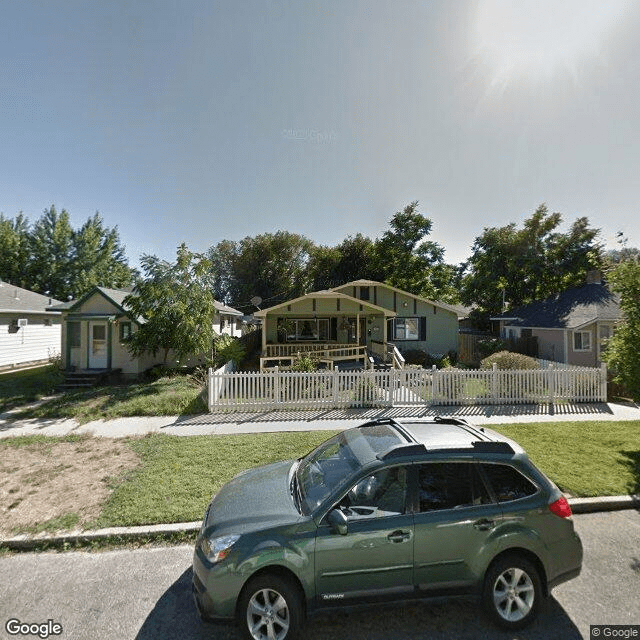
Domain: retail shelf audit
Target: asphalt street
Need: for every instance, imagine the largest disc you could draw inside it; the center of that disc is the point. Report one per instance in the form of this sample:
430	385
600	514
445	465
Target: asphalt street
146	594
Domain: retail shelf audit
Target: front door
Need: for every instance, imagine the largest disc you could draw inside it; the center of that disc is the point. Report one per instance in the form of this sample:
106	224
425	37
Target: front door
375	557
98	348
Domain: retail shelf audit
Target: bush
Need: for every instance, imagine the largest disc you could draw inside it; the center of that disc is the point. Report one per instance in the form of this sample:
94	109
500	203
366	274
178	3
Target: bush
227	348
158	371
488	346
305	364
509	360
415	356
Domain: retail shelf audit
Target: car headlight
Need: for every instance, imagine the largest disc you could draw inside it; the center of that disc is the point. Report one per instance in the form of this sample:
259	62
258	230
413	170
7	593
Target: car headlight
217	548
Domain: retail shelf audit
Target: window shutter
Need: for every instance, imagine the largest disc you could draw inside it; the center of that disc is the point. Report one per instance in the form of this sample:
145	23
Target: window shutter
390	334
334	329
423	329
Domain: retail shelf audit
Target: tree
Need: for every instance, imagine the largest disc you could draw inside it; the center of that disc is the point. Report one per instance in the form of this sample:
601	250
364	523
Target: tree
621	353
352	259
272	266
176	304
97	257
406	259
511	266
51	247
14	249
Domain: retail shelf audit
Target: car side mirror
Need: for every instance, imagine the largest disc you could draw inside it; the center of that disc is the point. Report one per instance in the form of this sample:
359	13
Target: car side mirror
338	521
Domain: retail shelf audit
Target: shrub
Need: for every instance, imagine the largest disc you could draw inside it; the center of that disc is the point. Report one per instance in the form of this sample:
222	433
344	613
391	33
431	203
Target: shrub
305	364
415	356
227	348
488	346
509	360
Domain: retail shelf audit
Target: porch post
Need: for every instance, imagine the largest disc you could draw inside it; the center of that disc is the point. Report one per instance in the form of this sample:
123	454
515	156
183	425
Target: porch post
358	329
264	335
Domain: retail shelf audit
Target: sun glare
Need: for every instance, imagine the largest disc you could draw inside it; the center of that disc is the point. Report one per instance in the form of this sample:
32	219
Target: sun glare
528	39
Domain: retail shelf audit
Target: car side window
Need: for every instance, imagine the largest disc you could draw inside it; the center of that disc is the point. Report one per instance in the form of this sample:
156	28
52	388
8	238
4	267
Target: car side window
450	485
383	493
508	483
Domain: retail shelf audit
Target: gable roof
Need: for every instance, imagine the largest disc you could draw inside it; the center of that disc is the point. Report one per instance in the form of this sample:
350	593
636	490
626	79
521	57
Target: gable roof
17	299
223	308
570	309
374	283
330	294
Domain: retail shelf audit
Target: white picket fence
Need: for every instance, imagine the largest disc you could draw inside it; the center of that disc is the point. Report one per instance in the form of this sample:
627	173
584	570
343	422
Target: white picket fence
403	387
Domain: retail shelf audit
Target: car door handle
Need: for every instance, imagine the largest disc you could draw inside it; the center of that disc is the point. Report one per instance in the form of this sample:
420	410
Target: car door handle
399	536
484	524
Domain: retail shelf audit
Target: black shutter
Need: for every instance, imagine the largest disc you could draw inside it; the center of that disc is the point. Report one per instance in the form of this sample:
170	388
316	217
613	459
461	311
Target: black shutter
334	328
390	335
423	329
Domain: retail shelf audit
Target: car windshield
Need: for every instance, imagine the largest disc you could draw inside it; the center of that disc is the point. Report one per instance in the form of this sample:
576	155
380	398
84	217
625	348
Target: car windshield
340	457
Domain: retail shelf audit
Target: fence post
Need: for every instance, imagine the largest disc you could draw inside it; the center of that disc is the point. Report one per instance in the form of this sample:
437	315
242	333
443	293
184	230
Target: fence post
552	383
276	386
434	384
603	382
210	390
335	381
494	383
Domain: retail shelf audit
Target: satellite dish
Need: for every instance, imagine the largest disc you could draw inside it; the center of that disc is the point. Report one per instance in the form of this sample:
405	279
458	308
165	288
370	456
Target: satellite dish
256	301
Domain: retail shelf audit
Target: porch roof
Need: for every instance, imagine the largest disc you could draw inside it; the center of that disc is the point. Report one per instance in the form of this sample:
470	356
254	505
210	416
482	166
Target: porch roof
328	295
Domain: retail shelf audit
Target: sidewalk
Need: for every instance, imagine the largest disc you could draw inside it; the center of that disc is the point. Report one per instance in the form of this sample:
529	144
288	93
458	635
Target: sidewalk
329	420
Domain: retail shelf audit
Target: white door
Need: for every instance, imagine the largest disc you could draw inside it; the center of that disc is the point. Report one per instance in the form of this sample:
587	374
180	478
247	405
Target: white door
97	345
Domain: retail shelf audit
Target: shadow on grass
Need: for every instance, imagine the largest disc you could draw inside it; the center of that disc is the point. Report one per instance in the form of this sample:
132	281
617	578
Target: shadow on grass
162	397
632	462
174	615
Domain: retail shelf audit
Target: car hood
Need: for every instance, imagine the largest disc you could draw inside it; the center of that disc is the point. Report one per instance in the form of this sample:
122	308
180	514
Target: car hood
254	499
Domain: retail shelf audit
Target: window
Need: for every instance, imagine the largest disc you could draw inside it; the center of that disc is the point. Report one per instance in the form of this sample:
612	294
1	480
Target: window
382	494
406	329
125	331
508	483
605	332
73	334
308	329
364	293
450	485
582	340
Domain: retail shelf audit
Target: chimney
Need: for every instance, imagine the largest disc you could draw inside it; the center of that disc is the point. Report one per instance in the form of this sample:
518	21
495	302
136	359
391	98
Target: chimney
594	277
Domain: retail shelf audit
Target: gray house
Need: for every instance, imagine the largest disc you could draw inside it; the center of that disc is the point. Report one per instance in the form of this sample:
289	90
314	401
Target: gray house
571	327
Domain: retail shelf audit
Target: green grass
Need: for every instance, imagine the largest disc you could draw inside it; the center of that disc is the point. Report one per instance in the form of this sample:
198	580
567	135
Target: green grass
179	475
21	387
588	458
170	395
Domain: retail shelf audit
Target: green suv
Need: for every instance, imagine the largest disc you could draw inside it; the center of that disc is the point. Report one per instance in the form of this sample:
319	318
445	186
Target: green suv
385	511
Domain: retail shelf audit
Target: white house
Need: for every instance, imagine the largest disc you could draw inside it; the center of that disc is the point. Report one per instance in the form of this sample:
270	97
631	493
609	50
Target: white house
29	334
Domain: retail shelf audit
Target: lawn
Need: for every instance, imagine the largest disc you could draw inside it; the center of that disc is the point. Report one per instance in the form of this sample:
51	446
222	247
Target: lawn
169	395
176	476
21	387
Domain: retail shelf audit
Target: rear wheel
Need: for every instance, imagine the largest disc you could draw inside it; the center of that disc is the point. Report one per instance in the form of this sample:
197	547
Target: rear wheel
512	592
270	609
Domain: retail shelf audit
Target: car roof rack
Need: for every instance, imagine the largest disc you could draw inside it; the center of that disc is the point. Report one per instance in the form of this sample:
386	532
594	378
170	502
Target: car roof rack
479	446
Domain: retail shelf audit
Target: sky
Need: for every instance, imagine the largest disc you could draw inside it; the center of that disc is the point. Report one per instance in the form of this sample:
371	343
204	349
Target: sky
196	121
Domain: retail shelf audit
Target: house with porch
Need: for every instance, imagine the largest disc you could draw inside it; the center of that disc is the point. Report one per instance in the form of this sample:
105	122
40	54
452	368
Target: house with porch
95	329
363	323
571	327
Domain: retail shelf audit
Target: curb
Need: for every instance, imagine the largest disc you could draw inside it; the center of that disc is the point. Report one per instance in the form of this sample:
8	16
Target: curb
167	531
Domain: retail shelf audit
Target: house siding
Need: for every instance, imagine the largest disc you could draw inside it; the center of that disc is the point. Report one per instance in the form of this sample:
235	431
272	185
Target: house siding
33	343
441	324
550	344
584	358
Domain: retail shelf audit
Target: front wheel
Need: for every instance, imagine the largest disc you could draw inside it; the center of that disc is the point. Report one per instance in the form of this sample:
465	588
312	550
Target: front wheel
512	592
270	609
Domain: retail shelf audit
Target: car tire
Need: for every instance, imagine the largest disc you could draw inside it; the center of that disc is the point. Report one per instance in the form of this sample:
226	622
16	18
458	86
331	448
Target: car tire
512	592
270	604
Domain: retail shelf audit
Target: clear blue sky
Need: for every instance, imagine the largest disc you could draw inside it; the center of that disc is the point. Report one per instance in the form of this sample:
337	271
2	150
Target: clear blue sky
198	120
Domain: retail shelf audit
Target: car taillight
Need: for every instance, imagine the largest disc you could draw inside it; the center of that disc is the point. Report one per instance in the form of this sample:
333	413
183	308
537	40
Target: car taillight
561	508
